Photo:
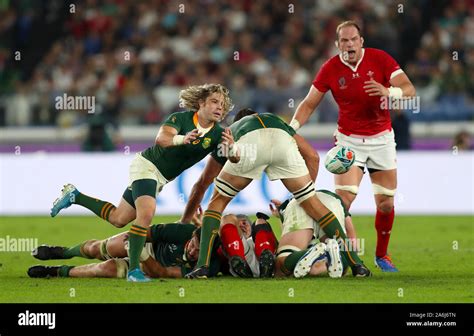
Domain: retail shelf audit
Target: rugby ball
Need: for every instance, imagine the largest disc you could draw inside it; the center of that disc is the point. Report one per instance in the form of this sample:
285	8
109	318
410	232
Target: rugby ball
339	159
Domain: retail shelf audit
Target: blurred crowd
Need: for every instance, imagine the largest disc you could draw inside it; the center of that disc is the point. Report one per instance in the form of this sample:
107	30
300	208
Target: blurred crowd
135	56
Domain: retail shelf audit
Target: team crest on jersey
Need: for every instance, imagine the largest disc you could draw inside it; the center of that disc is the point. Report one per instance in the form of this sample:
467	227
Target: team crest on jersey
342	83
206	143
173	120
370	74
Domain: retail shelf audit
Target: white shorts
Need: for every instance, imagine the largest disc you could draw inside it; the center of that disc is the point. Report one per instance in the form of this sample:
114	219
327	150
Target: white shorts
374	152
269	150
141	168
295	218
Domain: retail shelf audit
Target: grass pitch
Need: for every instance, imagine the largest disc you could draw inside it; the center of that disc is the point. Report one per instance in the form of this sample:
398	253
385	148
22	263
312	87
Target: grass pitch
433	253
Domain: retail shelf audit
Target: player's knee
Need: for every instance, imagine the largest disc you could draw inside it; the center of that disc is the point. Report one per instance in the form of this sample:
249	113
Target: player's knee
92	248
118	220
385	206
109	268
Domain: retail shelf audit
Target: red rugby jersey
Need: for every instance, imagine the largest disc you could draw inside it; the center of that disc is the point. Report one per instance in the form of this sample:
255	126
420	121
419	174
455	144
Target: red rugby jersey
359	113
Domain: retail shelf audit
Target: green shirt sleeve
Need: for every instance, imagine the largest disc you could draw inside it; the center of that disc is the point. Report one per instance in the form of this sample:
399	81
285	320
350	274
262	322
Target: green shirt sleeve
218	156
174	120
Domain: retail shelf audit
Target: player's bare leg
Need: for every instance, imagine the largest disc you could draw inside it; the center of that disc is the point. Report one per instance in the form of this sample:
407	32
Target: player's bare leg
384	183
303	190
347	187
114	268
122	215
117	216
291	248
227	186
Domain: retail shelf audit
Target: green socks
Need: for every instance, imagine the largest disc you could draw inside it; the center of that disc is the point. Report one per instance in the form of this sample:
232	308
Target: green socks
64	270
291	260
76	251
100	208
332	228
137	239
210	230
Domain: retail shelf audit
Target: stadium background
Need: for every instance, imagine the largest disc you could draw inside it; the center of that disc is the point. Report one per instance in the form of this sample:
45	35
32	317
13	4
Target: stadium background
46	51
134	57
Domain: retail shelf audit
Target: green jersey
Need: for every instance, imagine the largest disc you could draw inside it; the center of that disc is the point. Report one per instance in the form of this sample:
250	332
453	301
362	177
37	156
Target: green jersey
257	121
172	161
169	242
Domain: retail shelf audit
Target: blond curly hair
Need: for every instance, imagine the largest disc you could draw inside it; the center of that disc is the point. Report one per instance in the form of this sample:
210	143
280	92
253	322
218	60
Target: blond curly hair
191	96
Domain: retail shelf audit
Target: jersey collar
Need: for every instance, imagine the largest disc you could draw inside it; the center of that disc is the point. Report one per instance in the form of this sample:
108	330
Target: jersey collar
354	69
198	126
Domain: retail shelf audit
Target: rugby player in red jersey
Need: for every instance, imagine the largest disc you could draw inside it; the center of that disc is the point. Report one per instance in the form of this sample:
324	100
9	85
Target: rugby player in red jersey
363	81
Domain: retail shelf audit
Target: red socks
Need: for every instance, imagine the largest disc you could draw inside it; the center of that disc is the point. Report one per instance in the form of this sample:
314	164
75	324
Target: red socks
231	241
383	225
264	240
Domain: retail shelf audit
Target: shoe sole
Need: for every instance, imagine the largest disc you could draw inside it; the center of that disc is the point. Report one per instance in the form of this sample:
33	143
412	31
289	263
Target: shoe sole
266	265
303	266
393	270
238	267
335	266
67	190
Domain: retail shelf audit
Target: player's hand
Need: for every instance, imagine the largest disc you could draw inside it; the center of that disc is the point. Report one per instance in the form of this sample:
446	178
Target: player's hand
227	138
197	217
374	88
274	207
191	136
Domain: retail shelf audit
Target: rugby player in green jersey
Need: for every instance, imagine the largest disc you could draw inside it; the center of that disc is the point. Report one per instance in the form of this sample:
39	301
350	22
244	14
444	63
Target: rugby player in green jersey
171	251
264	143
184	139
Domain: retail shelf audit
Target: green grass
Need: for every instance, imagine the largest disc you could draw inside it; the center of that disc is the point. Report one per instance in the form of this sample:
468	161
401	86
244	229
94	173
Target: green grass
432	269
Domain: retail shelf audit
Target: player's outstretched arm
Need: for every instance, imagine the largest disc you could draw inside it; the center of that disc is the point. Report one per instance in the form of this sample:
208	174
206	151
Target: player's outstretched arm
309	155
168	136
210	172
306	107
156	270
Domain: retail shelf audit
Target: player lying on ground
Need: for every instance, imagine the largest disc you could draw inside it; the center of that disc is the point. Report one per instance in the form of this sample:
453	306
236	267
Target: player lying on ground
265	144
300	230
170	252
248	249
184	139
363	82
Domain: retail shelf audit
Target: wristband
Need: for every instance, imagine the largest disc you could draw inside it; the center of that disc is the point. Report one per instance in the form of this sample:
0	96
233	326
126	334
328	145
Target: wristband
395	92
295	124
178	140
